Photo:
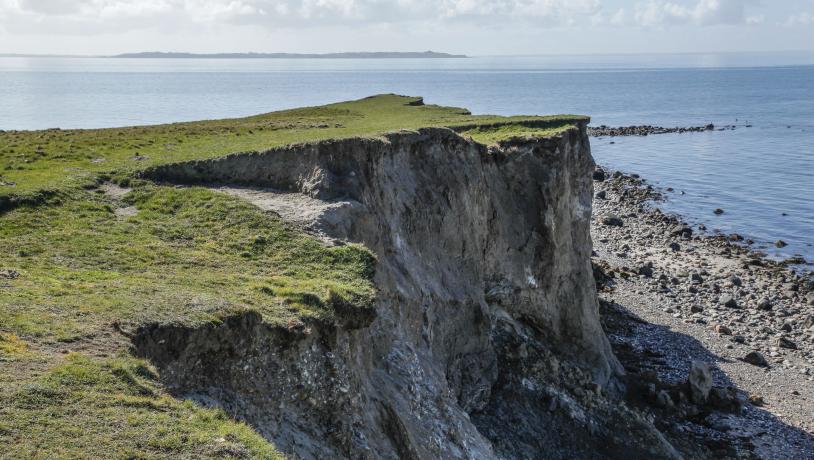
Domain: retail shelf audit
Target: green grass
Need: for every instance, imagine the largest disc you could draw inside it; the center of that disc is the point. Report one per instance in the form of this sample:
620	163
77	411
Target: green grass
53	159
179	255
504	132
115	408
188	255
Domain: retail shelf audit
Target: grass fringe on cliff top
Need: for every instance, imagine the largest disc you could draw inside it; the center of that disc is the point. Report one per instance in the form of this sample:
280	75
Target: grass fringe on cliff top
75	261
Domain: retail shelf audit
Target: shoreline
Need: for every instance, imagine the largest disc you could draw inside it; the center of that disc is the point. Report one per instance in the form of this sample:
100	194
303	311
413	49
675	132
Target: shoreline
770	250
671	295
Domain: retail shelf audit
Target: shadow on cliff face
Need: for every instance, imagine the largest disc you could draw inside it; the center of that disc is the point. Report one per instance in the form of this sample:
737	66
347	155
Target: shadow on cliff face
658	362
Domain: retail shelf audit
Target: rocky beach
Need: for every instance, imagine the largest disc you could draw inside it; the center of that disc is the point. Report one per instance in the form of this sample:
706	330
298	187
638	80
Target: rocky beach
676	298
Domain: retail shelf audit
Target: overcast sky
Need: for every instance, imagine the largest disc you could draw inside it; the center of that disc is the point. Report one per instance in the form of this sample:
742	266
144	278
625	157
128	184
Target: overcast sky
474	27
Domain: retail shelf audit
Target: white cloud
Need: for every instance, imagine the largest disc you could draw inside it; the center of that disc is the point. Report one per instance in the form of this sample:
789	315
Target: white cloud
84	16
655	13
800	19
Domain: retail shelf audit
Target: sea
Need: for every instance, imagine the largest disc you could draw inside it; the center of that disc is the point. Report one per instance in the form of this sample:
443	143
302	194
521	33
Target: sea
761	173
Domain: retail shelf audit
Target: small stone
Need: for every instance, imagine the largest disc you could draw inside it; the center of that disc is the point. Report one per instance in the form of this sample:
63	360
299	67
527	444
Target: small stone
602	195
664	400
783	342
756	400
781	244
765	304
599	175
756	359
675	246
700	381
9	274
718	211
612	220
646	270
786	327
682	230
728	301
723	330
735	280
696	309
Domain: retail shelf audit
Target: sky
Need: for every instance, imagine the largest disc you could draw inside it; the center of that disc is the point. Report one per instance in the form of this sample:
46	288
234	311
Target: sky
473	27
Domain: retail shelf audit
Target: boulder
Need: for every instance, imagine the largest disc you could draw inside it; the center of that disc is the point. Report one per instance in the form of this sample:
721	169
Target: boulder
699	382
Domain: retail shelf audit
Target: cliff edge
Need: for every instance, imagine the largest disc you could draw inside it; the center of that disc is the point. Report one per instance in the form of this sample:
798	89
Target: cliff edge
379	278
484	340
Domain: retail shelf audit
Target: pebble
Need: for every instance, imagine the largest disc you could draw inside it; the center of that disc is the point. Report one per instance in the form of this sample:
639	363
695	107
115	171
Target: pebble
723	330
728	301
9	274
783	342
756	359
612	220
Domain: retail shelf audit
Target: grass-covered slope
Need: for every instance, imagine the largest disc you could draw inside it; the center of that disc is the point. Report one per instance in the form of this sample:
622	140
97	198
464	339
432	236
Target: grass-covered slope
81	261
31	161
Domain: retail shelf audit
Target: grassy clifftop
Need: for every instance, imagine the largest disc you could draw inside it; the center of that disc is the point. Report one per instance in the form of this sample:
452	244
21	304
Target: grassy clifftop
82	259
31	161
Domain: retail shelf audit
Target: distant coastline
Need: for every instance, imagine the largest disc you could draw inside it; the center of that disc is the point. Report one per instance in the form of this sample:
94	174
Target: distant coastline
173	55
350	55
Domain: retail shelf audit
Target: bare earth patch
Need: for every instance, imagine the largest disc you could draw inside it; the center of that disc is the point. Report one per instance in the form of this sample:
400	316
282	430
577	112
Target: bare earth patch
317	217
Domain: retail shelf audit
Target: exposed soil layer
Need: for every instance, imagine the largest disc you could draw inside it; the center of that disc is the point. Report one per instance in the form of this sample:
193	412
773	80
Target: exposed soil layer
486	341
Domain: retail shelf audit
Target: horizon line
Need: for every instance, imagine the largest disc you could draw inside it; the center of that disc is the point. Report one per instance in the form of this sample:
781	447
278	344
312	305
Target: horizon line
326	55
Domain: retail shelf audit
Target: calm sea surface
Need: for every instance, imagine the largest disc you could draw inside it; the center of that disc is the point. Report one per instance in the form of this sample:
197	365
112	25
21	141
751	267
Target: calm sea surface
762	176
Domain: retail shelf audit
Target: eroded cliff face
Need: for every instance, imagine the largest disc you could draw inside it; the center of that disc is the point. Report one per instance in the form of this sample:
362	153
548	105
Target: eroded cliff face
486	341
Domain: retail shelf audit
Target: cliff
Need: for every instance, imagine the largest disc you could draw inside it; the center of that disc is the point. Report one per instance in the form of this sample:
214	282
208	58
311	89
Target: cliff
425	293
485	313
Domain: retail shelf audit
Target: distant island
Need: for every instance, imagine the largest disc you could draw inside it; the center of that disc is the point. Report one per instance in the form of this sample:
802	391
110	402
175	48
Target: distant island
351	55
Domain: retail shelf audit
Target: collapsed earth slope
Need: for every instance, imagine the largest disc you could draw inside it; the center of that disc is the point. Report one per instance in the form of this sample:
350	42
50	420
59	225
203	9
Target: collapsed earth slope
430	294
